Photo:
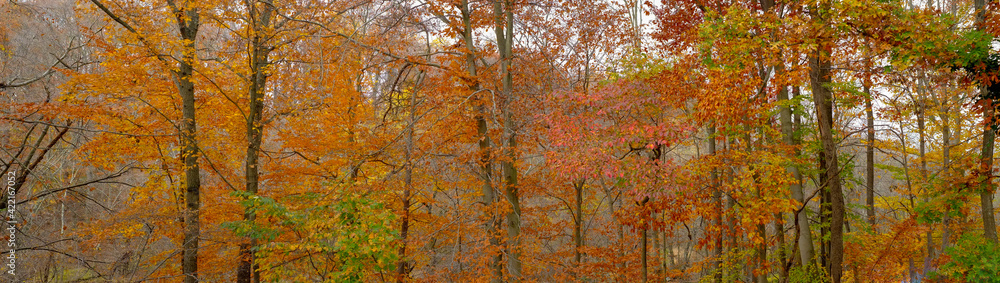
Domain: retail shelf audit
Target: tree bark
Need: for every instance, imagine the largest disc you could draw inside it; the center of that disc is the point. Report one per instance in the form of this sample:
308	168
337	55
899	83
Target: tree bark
921	133
504	27
946	163
986	167
188	21
578	225
644	239
781	250
717	200
645	254
870	157
578	191
485	147
824	212
260	21
986	153
402	267
804	234
819	63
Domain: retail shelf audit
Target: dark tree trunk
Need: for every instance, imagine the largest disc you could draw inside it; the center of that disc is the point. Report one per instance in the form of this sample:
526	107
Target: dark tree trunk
189	21
989	137
260	21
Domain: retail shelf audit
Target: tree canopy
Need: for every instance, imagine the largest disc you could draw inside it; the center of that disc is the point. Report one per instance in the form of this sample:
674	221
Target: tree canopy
500	140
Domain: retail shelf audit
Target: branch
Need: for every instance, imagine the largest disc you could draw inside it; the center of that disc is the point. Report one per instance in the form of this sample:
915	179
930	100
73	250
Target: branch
131	29
356	42
49	71
98	180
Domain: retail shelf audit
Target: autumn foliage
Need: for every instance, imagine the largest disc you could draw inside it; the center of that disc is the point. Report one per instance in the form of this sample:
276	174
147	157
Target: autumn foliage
500	140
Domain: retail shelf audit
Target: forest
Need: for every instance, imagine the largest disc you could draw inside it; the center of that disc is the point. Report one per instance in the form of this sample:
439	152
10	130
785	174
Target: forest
499	140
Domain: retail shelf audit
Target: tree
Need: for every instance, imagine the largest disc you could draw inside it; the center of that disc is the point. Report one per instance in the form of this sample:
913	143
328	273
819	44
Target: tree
260	16
188	20
989	137
427	141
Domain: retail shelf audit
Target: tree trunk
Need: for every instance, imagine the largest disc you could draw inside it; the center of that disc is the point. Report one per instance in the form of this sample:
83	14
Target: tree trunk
761	270
645	254
620	244
731	232
768	7
659	254
819	63
504	27
260	22
758	273
578	191
921	133
870	158
668	250
717	200
485	148
188	21
946	163
804	234
402	267
578	225
986	167
781	250
989	137
824	212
